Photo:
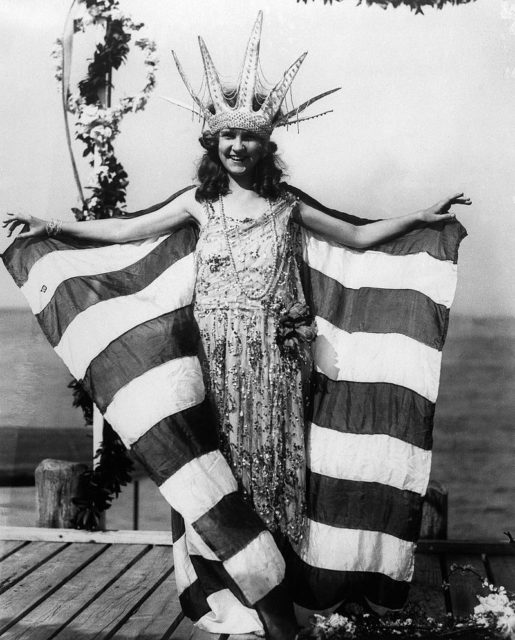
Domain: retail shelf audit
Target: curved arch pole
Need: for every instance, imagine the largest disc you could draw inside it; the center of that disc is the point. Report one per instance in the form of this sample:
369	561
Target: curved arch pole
65	83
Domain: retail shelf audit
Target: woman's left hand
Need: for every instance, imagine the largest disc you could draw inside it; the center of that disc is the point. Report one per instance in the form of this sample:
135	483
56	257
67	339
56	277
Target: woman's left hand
440	210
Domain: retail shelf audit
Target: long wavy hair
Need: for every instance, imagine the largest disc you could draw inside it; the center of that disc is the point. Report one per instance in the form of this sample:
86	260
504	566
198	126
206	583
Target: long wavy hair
212	176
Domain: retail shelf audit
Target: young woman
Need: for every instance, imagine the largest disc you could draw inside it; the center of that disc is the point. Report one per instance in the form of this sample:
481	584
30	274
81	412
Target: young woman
247	279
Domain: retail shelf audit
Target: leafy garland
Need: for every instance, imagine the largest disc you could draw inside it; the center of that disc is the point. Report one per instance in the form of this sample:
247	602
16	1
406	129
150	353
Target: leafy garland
414	5
493	617
97	125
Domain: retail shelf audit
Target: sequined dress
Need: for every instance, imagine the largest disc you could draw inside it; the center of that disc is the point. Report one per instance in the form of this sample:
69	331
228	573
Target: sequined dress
247	276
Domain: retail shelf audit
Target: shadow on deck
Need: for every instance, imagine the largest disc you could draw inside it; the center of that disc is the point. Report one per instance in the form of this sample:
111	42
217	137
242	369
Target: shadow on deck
58	584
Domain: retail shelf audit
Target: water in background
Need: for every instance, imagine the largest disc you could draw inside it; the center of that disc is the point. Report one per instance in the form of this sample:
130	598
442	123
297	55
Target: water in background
474	448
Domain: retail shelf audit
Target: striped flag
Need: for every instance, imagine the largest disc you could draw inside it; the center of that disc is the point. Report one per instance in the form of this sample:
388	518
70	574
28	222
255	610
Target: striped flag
382	317
120	317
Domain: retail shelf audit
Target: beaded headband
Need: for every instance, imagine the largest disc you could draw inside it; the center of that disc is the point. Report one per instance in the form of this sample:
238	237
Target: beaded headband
235	110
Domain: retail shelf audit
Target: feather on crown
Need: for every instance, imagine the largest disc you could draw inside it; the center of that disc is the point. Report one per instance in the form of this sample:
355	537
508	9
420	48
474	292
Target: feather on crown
236	110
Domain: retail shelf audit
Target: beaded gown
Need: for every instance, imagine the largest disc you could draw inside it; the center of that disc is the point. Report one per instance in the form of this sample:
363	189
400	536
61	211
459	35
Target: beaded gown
247	276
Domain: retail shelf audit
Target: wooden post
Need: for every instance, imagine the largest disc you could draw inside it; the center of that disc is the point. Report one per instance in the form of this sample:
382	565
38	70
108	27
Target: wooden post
434	513
57	483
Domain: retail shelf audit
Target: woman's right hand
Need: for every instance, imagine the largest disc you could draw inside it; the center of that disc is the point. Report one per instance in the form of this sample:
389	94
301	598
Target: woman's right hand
36	226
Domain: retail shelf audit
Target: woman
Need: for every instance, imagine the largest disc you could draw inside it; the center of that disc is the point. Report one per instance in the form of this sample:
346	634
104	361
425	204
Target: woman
248	281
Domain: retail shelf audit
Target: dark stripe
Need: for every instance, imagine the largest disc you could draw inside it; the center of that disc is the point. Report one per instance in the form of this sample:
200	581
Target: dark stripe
369	506
276	612
148	345
213	576
229	526
370	310
441	241
75	295
176	440
316	588
22	254
372	407
178	528
193	601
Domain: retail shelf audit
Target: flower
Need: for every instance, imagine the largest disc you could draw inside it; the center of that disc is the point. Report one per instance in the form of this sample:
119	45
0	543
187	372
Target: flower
506	625
295	326
492	603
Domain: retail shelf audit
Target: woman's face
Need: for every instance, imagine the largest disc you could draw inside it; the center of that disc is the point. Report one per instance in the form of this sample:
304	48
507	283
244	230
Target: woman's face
240	150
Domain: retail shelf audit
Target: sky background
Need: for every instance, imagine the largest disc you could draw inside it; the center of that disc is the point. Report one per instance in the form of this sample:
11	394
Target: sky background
426	109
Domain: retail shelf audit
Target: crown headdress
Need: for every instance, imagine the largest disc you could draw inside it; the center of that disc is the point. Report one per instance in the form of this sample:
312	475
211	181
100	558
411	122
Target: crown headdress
236	109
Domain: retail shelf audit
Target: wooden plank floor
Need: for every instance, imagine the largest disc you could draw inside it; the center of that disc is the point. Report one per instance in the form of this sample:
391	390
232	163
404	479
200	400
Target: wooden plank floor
124	589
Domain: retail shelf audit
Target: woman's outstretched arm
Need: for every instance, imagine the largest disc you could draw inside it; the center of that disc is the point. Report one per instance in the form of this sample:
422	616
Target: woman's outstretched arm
179	211
364	236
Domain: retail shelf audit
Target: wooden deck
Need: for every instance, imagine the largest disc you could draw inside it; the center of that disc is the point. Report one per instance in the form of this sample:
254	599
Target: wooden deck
69	585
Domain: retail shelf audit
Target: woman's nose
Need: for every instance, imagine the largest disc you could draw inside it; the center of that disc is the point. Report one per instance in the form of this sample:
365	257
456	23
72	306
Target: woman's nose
238	143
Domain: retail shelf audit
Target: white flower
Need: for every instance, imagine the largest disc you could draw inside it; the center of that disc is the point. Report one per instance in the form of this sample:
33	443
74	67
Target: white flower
492	603
116	14
89	114
506	625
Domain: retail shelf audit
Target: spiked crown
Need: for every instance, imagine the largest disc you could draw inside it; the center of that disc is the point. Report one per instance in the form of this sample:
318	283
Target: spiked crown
223	109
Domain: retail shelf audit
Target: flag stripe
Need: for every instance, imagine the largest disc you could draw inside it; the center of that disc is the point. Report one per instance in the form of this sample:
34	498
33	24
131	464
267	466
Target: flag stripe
72	281
374	357
322	547
172	443
79	344
193	601
21	256
229	616
368	458
257	568
172	335
198	485
409	313
317	588
177	384
197	546
373	407
277	608
185	574
373	269
364	505
439	240
76	294
229	526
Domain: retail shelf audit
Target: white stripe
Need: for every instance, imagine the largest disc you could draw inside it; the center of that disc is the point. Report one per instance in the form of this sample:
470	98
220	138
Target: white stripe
377	357
368	458
97	326
341	549
355	269
171	387
53	268
257	568
228	616
199	485
185	574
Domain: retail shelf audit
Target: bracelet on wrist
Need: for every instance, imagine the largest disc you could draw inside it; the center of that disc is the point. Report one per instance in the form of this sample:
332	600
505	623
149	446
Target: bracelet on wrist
54	227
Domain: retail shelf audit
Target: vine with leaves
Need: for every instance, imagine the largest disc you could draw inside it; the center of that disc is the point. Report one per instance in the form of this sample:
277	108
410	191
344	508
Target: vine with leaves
97	123
415	5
